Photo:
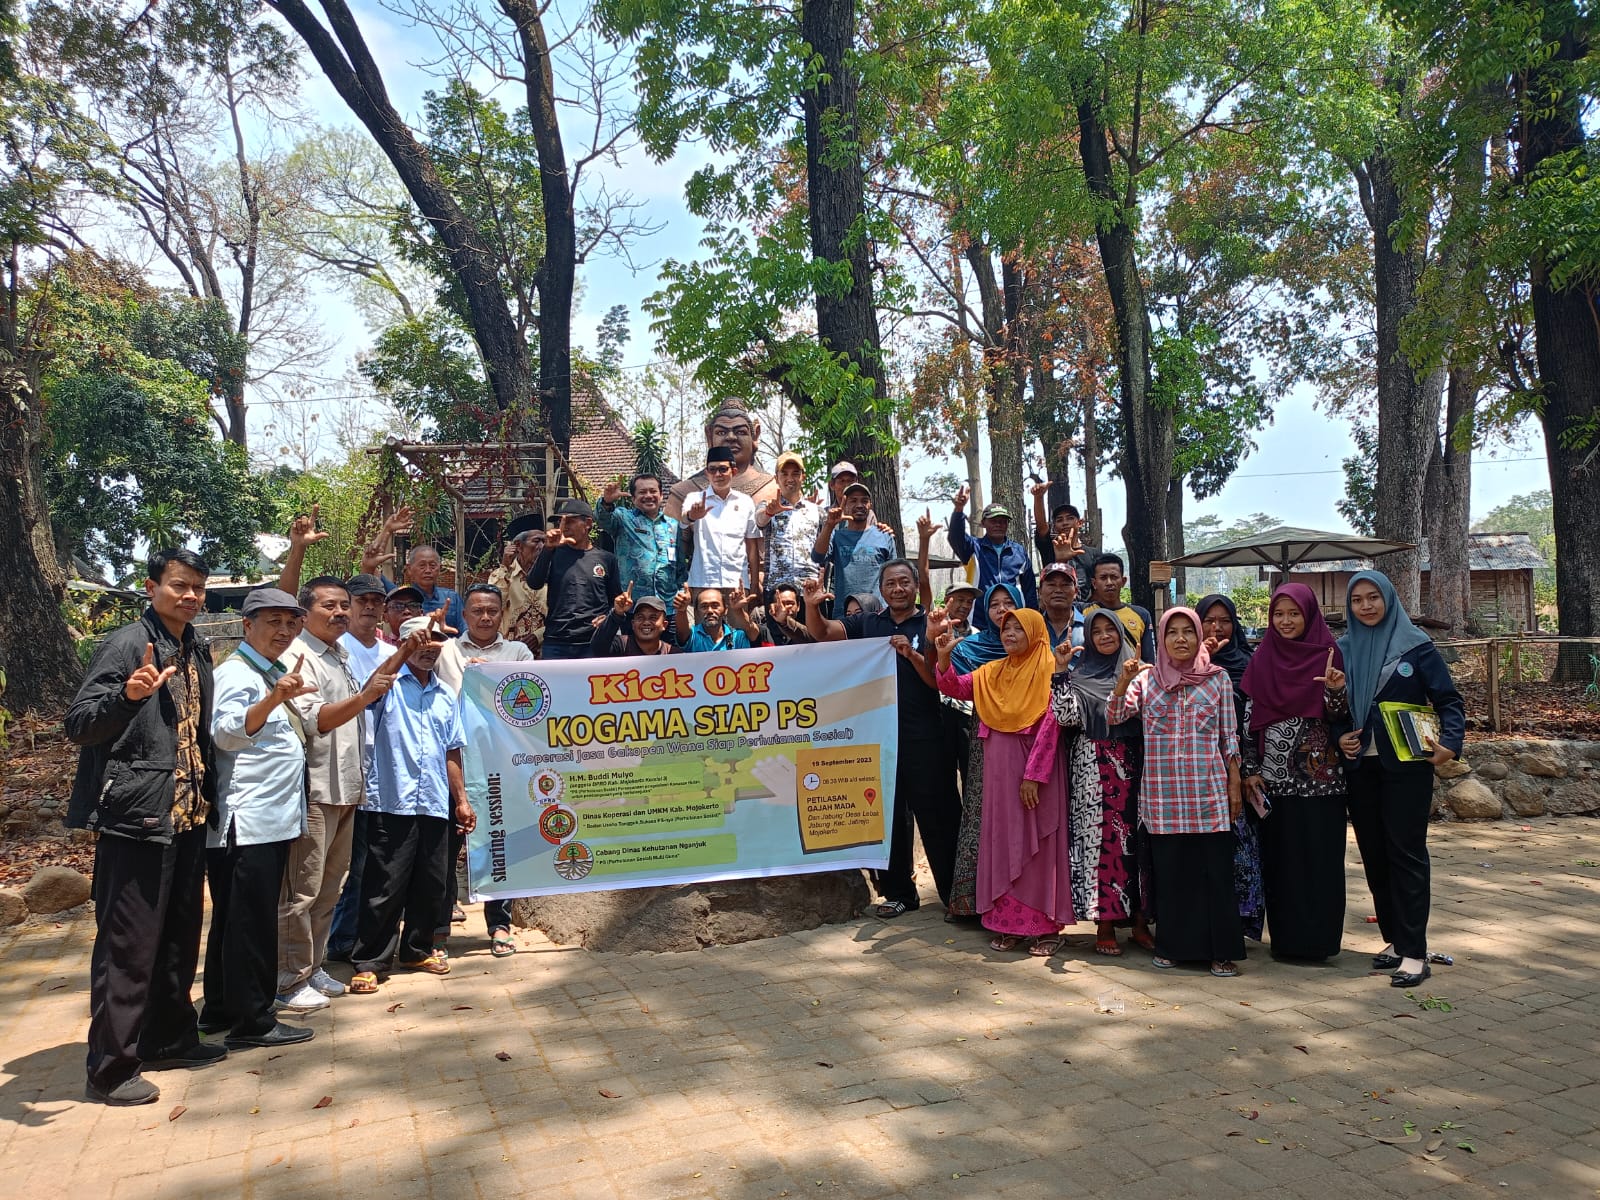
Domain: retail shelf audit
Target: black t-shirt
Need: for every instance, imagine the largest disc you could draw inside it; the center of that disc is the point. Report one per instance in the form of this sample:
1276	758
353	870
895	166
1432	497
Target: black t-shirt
919	703
582	584
1045	545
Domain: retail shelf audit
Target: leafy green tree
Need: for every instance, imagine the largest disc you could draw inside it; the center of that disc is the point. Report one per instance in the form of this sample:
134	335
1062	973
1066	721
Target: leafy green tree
132	453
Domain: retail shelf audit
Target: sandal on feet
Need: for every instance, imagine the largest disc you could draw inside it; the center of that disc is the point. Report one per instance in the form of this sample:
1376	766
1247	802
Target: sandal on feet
1046	946
1142	939
1004	941
434	964
363	983
1166	964
501	945
1224	970
890	909
1108	947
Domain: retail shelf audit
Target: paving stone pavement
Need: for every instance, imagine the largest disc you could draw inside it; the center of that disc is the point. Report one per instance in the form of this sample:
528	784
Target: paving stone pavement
879	1059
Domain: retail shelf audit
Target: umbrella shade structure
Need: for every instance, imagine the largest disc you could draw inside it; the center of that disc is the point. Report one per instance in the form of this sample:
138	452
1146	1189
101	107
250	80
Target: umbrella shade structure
1286	547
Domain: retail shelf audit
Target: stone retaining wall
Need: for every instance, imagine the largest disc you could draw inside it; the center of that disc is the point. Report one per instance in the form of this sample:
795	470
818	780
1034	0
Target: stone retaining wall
1519	778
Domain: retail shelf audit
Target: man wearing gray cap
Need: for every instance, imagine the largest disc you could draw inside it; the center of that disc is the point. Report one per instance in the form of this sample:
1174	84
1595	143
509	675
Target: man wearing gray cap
633	628
1000	560
581	581
261	795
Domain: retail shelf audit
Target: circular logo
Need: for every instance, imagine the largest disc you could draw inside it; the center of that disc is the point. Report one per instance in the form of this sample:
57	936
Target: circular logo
557	823
1404	670
546	786
574	861
812	781
522	699
599	570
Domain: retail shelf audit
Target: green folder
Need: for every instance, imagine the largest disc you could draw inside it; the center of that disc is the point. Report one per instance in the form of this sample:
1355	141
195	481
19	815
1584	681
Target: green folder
1409	727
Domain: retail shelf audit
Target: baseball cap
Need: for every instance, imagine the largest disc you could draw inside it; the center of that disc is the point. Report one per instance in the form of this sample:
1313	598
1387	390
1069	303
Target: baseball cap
408	593
1059	568
576	508
366	585
789	456
858	486
996	510
843	468
960	587
1070	509
413	624
258	599
655	602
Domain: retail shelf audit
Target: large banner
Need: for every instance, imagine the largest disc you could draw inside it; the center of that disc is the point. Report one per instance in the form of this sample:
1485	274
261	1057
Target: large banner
608	773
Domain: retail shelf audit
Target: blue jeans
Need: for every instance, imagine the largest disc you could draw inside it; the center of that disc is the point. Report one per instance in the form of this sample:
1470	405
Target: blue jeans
554	650
342	935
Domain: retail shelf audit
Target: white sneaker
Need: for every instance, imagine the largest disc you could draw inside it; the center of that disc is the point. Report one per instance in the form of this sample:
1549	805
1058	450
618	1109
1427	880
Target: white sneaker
305	998
325	983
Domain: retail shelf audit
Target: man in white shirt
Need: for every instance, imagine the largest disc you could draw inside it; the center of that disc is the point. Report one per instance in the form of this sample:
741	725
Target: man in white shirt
727	540
336	781
261	760
367	652
482	642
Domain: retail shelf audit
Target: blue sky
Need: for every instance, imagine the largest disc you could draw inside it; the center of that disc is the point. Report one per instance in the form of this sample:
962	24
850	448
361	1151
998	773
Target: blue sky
1294	475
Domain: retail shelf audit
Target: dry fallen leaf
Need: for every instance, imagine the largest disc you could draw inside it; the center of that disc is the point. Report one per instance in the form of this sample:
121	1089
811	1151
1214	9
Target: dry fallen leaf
993	1037
1233	1133
177	1111
1404	1139
1434	1145
254	1111
503	1056
459	1007
610	1095
1302	1050
252	1071
396	1007
820	1063
275	1161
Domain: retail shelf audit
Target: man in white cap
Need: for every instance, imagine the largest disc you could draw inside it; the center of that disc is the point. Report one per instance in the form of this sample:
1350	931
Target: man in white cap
414	792
260	745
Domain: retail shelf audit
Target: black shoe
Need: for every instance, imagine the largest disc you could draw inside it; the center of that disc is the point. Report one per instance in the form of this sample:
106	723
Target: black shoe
279	1035
1385	962
198	1055
457	917
129	1092
1401	980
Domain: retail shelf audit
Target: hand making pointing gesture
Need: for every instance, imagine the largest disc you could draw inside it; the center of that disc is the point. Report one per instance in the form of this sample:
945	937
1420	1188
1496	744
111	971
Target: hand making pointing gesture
293	685
147	680
1331	675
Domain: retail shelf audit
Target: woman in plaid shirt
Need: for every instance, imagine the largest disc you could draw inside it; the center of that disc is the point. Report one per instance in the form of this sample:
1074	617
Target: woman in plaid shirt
1191	792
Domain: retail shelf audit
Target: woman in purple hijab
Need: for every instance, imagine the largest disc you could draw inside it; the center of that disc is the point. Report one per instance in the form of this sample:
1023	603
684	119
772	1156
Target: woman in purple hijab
1295	687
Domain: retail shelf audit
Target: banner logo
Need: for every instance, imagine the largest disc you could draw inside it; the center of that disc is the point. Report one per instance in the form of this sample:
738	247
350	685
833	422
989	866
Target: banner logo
522	700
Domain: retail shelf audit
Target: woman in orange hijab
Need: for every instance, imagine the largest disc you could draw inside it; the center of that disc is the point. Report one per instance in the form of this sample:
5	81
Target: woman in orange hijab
1024	872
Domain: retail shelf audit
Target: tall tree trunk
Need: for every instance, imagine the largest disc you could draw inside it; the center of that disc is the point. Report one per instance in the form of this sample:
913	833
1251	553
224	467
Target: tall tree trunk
354	74
1004	417
1566	324
1147	445
36	652
1091	461
1408	403
847	319
557	274
1180	575
1448	506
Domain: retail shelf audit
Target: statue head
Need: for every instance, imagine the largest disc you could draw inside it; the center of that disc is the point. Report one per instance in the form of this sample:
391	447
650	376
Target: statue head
733	426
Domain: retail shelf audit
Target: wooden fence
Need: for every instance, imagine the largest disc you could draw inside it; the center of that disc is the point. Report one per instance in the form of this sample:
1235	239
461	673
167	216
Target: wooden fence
1516	667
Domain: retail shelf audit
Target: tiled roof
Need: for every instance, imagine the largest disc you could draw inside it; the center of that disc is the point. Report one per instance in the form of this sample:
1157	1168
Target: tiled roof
602	447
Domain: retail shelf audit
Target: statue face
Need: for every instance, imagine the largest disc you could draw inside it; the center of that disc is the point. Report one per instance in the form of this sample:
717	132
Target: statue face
739	433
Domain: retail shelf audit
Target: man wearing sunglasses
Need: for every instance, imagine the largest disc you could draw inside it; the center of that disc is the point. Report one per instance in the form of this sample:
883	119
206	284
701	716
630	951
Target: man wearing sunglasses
727	540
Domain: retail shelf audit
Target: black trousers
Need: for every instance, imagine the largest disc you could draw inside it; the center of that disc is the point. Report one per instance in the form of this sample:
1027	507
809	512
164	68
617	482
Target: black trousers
241	976
924	793
402	890
453	879
954	727
148	906
1197	911
1389	811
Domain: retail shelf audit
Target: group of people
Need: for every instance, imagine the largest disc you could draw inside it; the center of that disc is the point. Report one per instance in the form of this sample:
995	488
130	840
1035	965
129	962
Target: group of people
1062	755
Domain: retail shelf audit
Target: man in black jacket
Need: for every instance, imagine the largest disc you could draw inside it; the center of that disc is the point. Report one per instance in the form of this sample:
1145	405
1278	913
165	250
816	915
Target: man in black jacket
143	719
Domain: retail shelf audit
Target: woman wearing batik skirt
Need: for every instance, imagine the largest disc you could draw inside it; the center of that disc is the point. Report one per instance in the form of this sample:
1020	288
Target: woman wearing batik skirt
1103	793
1229	649
968	655
1024	888
1295	689
1189	796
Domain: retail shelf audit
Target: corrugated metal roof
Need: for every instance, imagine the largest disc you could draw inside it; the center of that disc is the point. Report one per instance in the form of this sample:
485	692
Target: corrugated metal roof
1485	552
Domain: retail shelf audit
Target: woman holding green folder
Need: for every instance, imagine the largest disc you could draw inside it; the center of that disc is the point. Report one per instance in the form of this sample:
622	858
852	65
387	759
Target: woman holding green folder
1389	661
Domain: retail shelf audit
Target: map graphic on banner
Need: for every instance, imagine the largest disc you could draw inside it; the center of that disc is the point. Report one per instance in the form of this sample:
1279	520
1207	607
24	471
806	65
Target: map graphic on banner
594	774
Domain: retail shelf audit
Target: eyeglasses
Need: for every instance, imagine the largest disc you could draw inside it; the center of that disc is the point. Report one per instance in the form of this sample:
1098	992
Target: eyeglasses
407	605
717	468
